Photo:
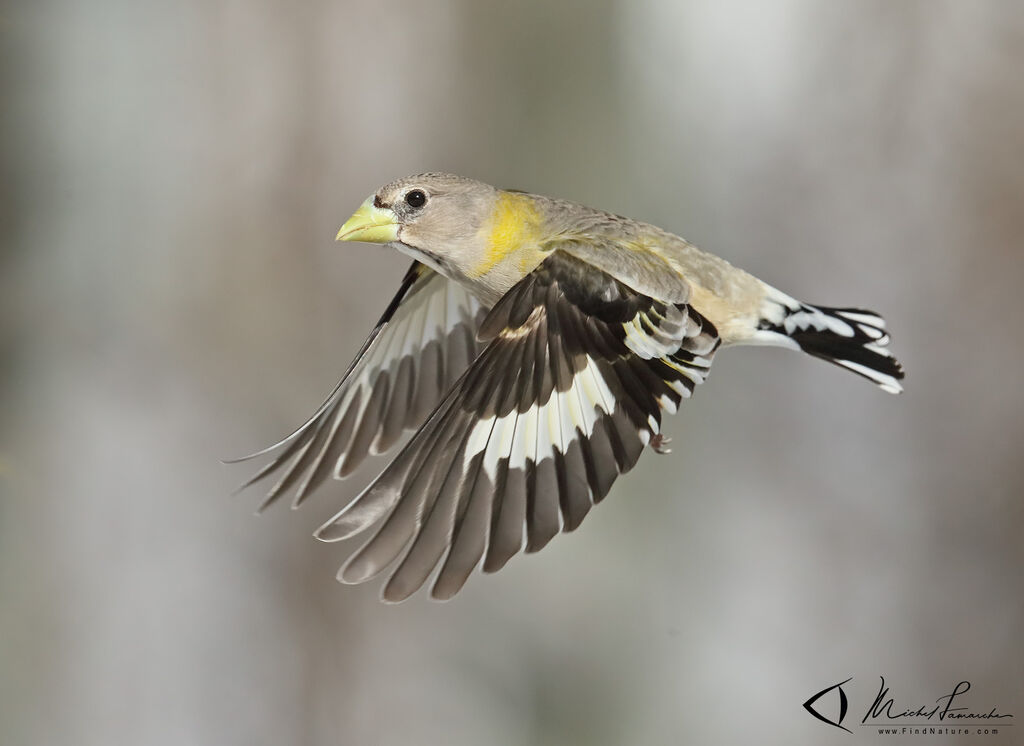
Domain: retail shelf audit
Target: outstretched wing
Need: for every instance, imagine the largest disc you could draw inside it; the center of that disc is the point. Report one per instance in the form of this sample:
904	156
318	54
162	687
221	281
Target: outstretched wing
421	345
570	388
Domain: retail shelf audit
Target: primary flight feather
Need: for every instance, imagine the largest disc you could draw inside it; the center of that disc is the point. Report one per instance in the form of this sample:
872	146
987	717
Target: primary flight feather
533	345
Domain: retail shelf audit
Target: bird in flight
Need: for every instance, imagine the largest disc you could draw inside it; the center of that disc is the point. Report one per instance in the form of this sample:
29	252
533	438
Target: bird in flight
533	346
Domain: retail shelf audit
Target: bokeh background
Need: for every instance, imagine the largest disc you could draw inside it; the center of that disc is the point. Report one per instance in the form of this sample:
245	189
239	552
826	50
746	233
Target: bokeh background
170	294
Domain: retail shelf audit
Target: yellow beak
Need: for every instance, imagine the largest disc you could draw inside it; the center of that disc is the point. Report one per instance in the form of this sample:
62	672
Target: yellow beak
370	224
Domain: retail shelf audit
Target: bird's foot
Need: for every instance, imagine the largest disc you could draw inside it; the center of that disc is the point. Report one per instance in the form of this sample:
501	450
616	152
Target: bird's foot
660	444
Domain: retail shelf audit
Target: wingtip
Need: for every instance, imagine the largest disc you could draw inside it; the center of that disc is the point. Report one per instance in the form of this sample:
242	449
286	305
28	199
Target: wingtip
342	577
256	454
338	528
329	533
269	500
247	484
445	589
389	594
357	570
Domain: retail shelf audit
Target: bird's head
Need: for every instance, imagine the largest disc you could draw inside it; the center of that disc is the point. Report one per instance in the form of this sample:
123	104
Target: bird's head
439	218
455	225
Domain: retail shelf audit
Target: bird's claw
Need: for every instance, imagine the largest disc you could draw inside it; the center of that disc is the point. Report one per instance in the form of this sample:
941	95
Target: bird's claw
660	444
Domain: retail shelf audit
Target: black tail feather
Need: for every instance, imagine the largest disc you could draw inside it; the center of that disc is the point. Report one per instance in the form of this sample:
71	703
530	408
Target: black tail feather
852	338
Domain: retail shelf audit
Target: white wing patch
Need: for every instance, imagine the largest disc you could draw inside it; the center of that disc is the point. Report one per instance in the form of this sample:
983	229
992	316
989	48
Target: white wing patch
551	426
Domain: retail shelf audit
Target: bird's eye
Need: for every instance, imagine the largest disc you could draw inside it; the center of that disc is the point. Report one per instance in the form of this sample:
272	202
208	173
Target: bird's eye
415	198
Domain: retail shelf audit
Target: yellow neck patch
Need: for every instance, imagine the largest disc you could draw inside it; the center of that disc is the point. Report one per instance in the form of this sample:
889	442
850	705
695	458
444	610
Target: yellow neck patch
515	226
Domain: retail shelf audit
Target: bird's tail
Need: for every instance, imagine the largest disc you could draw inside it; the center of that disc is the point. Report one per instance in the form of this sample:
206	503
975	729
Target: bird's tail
850	337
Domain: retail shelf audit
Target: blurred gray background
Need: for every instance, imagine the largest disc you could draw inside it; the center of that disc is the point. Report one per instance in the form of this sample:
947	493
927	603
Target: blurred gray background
170	294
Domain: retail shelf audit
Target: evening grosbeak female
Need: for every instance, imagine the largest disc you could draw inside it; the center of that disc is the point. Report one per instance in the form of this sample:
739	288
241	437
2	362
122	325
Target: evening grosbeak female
534	345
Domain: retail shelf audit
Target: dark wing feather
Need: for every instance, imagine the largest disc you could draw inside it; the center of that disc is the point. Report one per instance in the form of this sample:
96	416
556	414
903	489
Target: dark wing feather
418	349
569	390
